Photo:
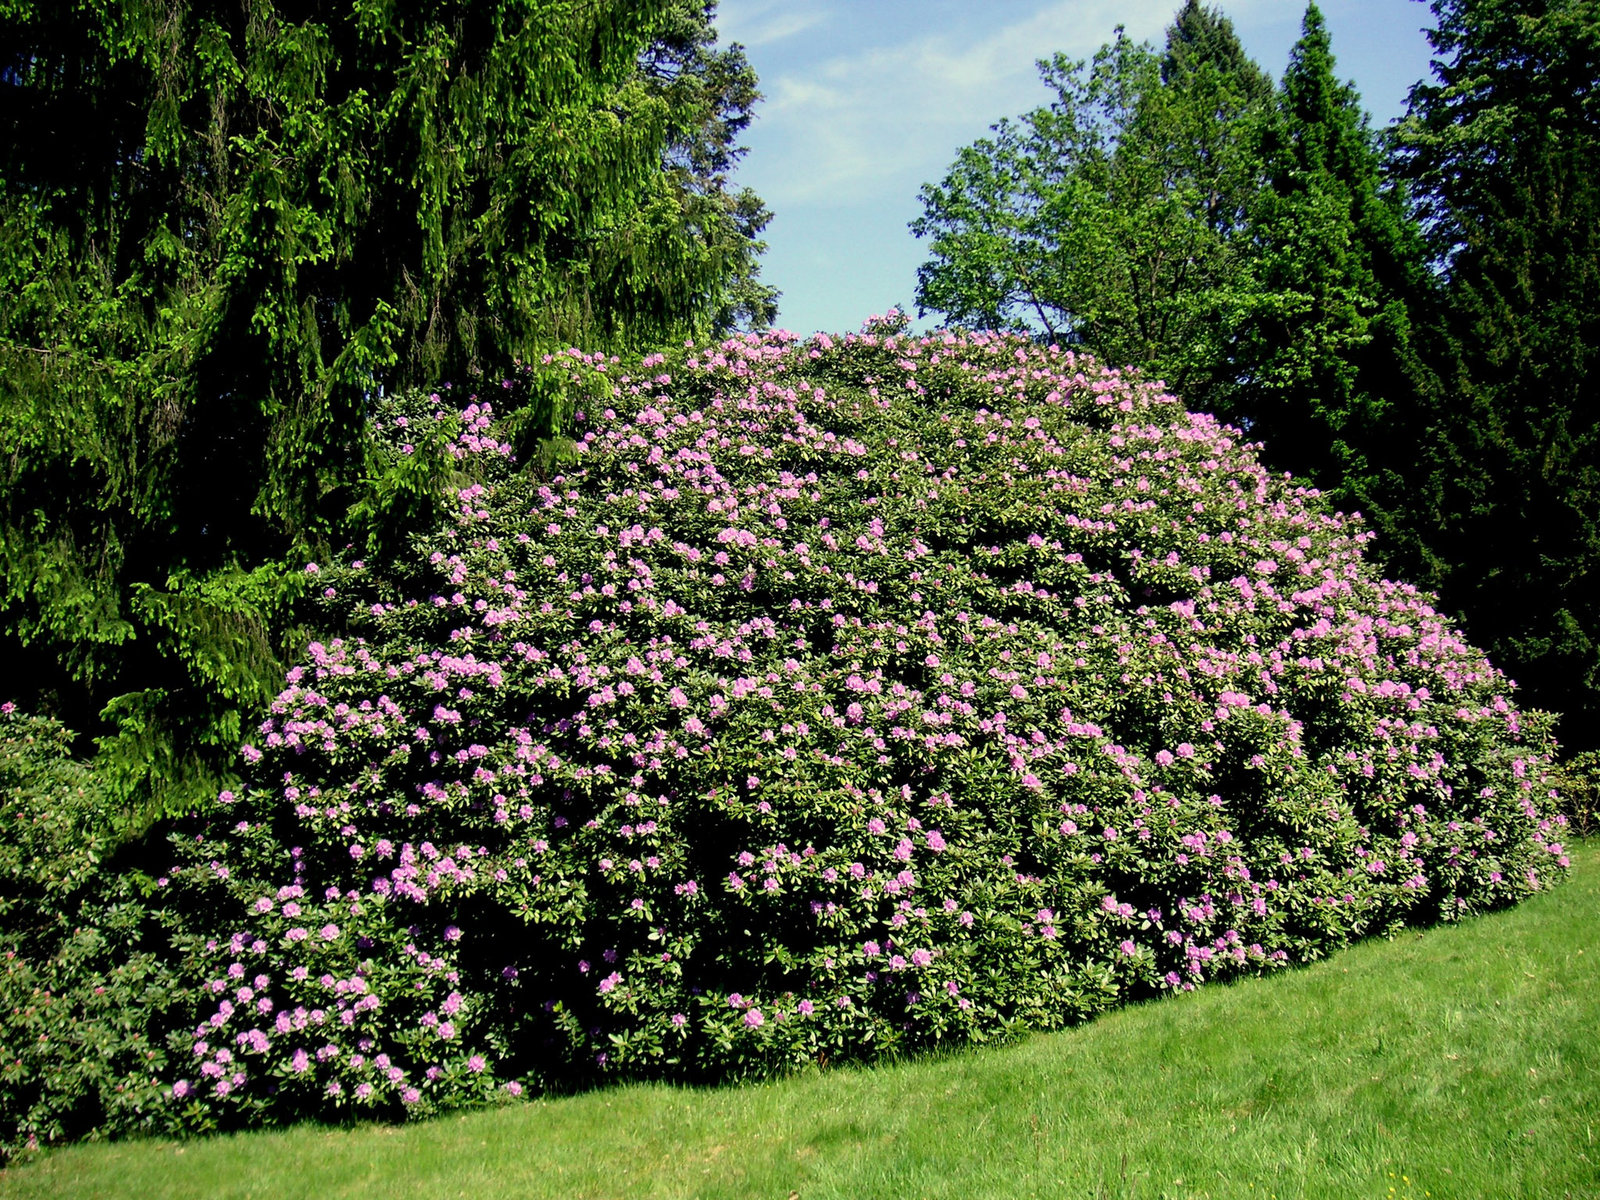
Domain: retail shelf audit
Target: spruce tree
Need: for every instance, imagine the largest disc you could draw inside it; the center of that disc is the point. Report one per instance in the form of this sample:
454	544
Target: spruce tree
711	92
1502	149
225	227
1329	377
1219	98
1201	40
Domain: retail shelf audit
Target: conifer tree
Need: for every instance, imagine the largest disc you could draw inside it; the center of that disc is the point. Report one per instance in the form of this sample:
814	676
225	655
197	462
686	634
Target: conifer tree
1501	149
1329	377
1201	39
1219	99
225	226
711	93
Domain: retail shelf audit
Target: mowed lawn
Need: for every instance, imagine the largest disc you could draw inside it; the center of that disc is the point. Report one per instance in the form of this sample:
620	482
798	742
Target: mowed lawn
1461	1062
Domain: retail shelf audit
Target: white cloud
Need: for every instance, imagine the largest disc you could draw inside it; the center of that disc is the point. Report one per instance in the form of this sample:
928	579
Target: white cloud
756	23
892	116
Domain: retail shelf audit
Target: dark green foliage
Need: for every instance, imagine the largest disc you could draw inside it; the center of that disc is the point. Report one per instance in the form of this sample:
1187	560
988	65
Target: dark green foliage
1503	149
711	93
1327	374
1578	780
225	226
86	976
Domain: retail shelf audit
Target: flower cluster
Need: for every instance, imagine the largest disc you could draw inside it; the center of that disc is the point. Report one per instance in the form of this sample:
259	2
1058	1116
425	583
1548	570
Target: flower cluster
841	696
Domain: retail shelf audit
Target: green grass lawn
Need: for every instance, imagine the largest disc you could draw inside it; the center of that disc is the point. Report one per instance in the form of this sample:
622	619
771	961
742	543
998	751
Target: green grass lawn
1461	1062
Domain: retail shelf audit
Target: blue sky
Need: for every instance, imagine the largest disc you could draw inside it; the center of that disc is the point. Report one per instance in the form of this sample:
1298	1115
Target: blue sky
866	100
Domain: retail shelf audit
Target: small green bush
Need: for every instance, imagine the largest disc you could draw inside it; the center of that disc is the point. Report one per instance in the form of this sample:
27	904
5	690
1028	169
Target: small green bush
86	975
1578	782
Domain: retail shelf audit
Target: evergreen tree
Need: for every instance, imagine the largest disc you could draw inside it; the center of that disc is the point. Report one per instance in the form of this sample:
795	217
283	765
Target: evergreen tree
711	92
224	226
1219	98
1502	150
1329	376
1202	40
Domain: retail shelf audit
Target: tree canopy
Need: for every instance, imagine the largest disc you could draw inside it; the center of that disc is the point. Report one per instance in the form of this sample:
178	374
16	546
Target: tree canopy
1176	211
1113	216
711	93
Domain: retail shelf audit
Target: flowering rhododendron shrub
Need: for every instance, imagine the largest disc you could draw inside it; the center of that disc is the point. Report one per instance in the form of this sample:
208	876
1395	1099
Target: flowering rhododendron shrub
834	698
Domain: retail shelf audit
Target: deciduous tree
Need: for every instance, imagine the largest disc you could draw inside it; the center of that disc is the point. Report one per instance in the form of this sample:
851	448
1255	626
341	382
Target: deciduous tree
1114	216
